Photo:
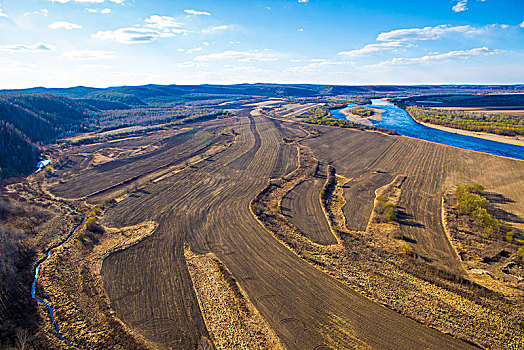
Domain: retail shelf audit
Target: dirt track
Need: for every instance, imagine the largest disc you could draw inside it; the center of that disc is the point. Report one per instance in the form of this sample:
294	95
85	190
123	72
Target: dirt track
207	205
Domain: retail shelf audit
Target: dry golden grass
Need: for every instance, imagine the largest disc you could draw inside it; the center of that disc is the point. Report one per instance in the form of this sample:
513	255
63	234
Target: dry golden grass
70	282
231	318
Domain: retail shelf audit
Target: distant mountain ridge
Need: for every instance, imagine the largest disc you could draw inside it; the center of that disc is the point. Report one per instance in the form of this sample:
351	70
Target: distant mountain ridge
149	94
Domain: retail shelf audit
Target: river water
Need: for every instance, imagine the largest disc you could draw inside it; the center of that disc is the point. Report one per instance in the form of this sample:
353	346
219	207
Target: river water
397	119
49	307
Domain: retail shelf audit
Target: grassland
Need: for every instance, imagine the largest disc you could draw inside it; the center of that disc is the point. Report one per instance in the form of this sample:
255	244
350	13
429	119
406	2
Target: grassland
314	259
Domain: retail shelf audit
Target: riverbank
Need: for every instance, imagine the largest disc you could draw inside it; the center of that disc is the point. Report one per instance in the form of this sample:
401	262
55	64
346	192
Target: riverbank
70	281
517	141
403	123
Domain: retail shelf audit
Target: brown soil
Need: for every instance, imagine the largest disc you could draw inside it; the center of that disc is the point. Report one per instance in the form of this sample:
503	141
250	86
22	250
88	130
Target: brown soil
302	207
70	282
207	206
231	318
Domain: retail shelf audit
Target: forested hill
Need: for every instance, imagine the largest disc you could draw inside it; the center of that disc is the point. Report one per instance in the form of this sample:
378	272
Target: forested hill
150	94
29	120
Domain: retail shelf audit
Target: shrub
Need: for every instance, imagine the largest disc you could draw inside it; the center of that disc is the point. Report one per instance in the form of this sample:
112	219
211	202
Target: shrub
520	255
387	207
390	215
470	201
95	227
90	220
406	249
363	112
49	170
81	235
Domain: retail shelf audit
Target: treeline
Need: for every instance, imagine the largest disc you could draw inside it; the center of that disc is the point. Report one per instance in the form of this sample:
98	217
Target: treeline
114	119
17	309
27	121
17	153
359	101
477	122
470	201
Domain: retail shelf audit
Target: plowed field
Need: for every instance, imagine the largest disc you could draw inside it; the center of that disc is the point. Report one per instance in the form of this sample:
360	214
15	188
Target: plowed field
207	206
303	209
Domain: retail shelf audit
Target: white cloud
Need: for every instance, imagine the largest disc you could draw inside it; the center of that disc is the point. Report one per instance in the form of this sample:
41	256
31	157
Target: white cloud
91	10
460	6
212	29
426	33
38	47
133	35
85	1
196	49
242	56
162	22
245	69
196	13
117	1
521	25
91	67
90	55
64	25
205	43
10	66
191	64
374	48
42	12
316	65
303	1
155	27
300	29
448	56
2	13
106	11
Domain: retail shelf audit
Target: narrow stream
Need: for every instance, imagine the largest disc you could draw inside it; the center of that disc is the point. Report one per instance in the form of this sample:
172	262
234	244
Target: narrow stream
49	307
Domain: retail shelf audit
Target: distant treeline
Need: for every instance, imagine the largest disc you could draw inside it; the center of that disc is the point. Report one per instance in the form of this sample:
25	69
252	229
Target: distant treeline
464	100
27	121
471	121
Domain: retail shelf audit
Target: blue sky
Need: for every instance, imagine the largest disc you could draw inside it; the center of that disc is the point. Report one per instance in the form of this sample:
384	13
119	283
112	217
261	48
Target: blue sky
60	43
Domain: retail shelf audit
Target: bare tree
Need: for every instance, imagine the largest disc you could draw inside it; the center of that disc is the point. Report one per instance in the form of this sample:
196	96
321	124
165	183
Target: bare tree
22	338
205	344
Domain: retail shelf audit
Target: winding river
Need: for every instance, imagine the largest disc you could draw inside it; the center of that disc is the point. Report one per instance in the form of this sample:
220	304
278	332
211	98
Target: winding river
49	307
397	119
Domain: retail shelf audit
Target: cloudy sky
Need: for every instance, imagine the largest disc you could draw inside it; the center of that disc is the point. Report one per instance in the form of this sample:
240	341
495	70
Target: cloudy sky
60	43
